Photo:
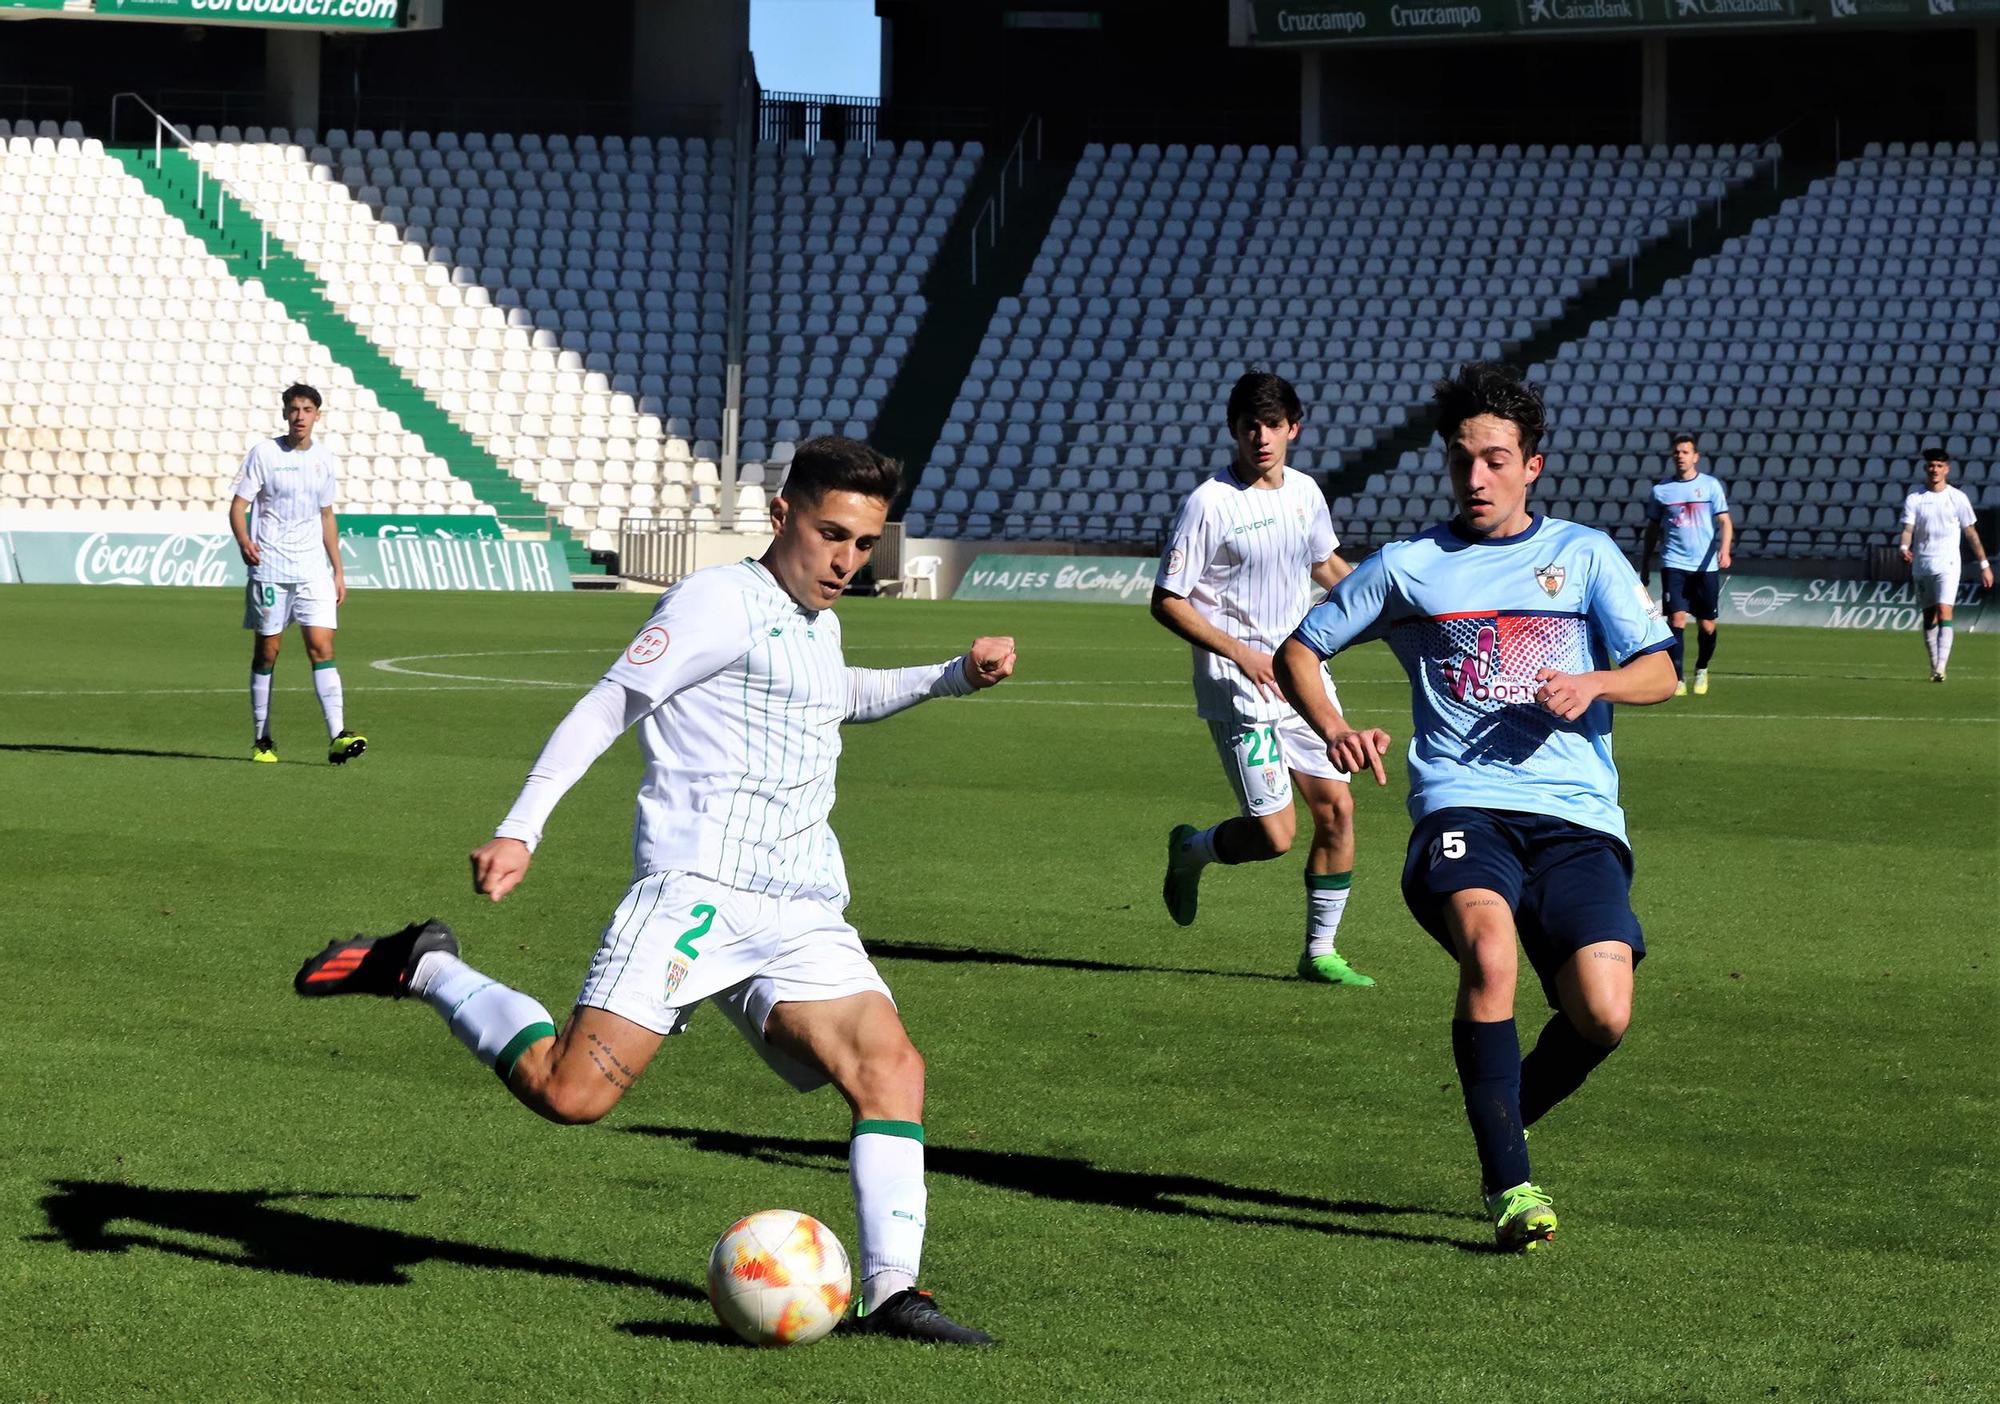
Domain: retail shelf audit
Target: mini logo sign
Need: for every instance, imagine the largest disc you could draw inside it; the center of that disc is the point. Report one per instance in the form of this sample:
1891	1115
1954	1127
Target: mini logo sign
1550	578
1762	600
1176	558
651	643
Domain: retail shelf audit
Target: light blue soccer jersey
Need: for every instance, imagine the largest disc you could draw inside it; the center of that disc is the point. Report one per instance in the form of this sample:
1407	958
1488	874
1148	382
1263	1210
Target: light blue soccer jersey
1685	511
1472	622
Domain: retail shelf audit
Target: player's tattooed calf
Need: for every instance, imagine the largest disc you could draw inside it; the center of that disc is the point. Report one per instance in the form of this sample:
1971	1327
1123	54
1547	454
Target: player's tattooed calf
615	1072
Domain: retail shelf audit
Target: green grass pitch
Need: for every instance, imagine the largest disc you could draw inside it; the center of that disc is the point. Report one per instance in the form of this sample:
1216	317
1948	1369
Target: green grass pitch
1159	1171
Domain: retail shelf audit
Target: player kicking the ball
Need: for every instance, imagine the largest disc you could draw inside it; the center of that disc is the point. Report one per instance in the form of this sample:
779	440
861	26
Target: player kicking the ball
1518	632
1243	556
281	513
738	688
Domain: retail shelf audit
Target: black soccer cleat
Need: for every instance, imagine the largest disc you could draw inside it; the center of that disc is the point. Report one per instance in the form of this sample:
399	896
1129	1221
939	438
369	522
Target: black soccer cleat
380	965
913	1316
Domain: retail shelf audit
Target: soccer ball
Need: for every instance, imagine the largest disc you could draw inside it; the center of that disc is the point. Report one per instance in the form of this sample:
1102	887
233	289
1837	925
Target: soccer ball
779	1278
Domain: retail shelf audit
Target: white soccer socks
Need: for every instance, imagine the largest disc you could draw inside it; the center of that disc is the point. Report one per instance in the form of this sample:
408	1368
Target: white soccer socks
260	701
886	1163
497	1023
1943	644
1197	850
326	682
1326	901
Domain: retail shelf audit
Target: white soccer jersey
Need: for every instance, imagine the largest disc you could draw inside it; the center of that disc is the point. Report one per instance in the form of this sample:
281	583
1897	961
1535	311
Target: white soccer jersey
1937	521
1244	557
286	488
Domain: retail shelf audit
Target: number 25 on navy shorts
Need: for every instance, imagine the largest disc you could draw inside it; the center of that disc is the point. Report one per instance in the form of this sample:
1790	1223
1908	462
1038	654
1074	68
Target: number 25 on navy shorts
1568	886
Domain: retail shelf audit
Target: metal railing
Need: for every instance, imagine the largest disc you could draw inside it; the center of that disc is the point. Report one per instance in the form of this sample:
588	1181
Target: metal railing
743	159
657	552
992	215
811	118
203	180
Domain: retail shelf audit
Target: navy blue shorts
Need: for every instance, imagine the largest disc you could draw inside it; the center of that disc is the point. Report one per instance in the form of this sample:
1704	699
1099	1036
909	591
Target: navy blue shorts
1696	592
1568	886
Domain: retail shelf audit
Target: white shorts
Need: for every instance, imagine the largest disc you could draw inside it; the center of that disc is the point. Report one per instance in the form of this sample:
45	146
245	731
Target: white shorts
1259	759
678	939
268	606
1936	581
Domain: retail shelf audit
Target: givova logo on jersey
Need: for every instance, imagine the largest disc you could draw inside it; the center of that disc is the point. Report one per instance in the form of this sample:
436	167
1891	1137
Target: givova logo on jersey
1480	677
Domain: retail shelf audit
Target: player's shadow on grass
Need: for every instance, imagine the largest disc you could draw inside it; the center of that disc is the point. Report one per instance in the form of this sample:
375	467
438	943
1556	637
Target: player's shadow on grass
251	1229
1080	1182
955	955
51	748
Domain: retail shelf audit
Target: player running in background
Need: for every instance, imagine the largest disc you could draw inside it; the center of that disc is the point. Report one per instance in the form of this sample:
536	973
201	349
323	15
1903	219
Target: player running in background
1518	633
738	688
1933	521
1691	510
281	513
1245	551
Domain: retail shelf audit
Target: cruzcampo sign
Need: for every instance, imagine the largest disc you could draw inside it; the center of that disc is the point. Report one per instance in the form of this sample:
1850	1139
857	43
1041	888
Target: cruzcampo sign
1301	22
396	561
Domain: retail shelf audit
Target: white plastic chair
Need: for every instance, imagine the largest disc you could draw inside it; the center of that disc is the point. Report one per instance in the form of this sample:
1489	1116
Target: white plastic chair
921	570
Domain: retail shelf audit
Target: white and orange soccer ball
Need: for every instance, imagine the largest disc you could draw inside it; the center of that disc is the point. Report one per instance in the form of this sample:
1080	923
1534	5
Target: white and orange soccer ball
779	1278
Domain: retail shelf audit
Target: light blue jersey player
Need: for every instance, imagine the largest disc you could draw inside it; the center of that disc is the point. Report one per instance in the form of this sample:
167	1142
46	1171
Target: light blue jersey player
1519	633
1691	512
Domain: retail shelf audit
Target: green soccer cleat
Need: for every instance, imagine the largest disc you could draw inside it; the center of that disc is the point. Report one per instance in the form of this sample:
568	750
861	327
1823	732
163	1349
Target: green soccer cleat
345	747
1701	682
263	752
1178	890
1331	969
1680	687
1523	1219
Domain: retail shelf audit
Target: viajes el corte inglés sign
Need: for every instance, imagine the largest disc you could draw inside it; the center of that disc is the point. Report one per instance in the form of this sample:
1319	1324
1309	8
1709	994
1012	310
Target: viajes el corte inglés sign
1746	599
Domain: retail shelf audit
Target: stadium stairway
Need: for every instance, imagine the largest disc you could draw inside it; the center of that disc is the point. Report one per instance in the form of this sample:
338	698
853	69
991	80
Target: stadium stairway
1667	258
239	242
913	413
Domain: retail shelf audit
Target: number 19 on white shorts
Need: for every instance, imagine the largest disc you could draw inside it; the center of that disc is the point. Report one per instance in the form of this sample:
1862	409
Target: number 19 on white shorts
270	605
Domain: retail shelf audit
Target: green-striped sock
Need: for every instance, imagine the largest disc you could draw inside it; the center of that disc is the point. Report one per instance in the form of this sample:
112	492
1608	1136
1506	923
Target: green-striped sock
1326	900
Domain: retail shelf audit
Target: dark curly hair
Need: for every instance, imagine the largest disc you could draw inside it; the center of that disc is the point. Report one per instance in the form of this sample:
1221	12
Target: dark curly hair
1489	387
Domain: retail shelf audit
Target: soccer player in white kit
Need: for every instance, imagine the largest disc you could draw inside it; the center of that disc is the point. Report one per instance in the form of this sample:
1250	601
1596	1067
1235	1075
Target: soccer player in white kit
738	689
1242	558
1933	522
281	514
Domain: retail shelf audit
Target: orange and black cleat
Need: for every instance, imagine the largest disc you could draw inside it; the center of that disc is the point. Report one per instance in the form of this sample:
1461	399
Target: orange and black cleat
380	965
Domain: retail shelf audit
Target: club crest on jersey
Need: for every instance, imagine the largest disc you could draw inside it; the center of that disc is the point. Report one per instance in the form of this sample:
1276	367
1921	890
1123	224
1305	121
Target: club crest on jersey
676	973
648	647
1176	558
1550	578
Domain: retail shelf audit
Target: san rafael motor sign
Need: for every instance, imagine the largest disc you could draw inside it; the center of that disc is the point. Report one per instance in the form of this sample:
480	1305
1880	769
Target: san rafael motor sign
1842	604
